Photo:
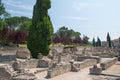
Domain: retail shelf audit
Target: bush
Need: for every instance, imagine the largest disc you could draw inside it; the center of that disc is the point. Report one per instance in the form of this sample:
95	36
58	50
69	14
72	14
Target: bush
7	36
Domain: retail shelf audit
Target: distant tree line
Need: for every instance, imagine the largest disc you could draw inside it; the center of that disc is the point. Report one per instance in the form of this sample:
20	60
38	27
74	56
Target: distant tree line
12	29
16	23
68	36
98	43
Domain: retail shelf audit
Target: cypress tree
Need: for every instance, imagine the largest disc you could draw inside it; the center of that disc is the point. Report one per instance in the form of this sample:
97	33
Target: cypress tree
41	30
108	40
93	42
98	43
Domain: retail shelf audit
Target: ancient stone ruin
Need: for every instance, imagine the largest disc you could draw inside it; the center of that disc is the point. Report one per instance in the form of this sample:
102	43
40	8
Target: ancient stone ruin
17	63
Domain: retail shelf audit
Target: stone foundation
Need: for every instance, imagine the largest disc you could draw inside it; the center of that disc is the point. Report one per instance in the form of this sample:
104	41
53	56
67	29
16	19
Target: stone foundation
58	70
81	58
108	63
26	64
23	54
77	66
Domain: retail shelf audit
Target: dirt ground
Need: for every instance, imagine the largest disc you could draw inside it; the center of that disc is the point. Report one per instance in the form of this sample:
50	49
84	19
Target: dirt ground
112	73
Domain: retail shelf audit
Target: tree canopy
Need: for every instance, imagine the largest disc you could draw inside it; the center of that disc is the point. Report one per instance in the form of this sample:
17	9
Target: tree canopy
3	15
69	36
65	32
3	12
18	23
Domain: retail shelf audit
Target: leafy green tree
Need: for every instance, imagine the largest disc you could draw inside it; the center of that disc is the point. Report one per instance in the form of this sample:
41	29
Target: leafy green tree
3	15
93	42
2	9
41	30
2	24
23	18
18	23
24	24
62	31
69	33
108	40
3	12
12	22
86	38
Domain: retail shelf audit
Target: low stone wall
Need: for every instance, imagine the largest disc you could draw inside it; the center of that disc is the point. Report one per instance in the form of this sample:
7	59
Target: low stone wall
23	54
64	58
58	70
81	58
77	66
4	58
26	64
108	63
87	63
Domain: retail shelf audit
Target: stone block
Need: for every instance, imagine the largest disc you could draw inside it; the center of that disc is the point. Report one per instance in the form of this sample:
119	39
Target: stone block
108	63
23	54
58	70
44	63
26	64
95	70
77	66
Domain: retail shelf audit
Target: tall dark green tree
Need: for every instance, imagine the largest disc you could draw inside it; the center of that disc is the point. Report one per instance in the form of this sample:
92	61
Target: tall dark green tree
93	42
98	43
109	40
41	30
